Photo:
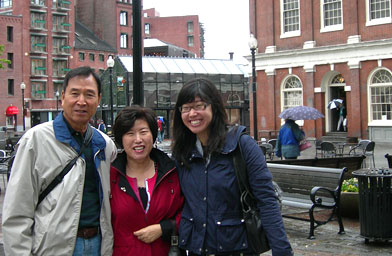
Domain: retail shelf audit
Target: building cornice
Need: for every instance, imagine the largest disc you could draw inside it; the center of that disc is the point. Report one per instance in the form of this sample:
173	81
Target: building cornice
353	54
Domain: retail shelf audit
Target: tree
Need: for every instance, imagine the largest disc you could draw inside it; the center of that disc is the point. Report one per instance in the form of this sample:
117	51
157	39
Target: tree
3	60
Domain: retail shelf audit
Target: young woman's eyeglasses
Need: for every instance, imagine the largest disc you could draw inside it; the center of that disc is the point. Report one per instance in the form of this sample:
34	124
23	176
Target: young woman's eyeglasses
197	107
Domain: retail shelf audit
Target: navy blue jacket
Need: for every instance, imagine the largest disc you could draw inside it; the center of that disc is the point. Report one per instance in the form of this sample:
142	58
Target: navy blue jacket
211	221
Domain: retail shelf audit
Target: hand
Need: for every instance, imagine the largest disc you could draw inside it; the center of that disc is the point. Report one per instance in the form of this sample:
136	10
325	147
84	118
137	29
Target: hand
149	234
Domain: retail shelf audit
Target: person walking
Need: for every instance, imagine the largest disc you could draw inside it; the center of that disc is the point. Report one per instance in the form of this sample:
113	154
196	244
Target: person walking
289	137
146	198
203	145
342	116
74	218
159	124
102	126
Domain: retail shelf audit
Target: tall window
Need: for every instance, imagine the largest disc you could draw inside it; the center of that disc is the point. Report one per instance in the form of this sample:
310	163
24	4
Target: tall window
60	45
61	3
101	57
123	18
38	43
5	3
190	40
290	17
147	28
38	20
60	23
123	40
292	93
38	67
378	12
38	2
91	56
380	90
190	26
10	34
38	90
331	15
60	67
10	57
10	87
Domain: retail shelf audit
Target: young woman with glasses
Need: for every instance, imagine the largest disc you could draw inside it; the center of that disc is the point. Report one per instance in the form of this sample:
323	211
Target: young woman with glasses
211	220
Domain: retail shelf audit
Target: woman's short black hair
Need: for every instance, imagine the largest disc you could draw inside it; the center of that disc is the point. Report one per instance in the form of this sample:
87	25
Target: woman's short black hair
183	139
125	120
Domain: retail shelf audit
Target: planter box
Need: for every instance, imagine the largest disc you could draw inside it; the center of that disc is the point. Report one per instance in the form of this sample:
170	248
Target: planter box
349	204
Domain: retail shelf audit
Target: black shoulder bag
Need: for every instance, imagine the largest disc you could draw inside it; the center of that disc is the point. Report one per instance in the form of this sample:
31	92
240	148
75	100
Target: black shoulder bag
257	238
68	167
174	249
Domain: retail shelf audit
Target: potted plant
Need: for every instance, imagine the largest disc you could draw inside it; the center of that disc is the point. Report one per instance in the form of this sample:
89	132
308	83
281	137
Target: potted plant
349	199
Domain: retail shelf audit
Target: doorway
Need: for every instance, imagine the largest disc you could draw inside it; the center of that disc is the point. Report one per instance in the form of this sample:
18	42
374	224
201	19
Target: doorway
336	92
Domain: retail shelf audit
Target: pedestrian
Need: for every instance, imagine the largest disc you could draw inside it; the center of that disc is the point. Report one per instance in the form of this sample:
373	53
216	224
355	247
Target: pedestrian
211	220
159	123
102	126
146	198
163	126
74	217
342	116
289	137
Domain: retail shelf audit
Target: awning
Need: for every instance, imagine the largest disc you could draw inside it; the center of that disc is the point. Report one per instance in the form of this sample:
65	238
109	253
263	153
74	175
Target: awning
12	110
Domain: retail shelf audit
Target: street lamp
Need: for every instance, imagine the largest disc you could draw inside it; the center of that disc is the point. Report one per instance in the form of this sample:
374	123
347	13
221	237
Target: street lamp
110	64
253	46
23	87
57	102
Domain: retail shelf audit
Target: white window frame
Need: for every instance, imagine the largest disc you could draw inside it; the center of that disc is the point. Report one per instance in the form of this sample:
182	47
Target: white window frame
123	41
371	121
373	22
147	28
191	41
284	90
291	33
123	18
323	27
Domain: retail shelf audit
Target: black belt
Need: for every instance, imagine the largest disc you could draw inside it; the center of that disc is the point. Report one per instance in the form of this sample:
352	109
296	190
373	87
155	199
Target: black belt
87	233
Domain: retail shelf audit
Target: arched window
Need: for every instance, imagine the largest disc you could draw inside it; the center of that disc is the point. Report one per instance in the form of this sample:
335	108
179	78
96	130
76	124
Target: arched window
292	93
381	96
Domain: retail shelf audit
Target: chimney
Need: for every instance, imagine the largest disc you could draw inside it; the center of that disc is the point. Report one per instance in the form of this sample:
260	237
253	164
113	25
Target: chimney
231	55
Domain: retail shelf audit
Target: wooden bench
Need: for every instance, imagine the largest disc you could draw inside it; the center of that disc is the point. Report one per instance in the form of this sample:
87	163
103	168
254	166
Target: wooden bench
352	163
310	188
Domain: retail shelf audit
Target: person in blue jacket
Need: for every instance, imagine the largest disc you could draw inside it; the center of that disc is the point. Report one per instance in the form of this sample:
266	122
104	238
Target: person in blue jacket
211	220
287	144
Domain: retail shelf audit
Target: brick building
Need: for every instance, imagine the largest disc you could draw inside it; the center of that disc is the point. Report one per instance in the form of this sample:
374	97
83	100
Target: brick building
183	31
310	52
46	38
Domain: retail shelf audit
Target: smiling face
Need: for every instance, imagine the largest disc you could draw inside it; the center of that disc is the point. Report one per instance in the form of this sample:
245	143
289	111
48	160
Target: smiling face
80	101
198	121
138	141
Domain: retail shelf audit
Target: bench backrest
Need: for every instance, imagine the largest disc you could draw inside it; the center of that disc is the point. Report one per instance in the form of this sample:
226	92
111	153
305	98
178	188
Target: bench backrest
301	179
351	162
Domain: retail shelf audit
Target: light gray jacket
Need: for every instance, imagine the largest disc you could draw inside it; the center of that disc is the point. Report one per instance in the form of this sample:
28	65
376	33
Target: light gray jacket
51	228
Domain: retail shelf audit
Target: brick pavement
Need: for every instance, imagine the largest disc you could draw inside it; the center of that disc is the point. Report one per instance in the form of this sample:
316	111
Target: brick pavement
327	241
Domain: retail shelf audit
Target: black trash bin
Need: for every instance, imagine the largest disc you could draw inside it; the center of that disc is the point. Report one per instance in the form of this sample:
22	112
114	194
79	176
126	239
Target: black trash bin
375	203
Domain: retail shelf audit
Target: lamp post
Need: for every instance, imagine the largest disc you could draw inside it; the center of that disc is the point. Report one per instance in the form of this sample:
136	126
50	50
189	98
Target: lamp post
57	102
110	64
253	46
23	87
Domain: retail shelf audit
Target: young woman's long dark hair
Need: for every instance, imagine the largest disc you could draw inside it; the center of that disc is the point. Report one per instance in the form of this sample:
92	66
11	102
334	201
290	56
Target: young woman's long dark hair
183	139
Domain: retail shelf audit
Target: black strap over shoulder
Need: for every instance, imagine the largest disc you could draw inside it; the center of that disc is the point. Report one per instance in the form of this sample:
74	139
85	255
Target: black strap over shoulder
68	167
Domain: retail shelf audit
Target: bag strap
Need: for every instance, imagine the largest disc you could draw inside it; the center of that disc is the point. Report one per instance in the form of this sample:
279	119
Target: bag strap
241	172
68	167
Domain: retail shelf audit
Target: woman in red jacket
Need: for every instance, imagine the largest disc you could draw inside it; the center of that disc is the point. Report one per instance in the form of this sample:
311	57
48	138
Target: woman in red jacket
146	198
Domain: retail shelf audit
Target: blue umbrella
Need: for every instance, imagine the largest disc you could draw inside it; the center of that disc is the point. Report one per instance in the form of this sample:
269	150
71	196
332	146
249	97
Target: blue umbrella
301	113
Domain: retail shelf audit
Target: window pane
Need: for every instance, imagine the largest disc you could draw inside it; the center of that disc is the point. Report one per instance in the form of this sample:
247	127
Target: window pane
381	96
332	12
379	9
290	15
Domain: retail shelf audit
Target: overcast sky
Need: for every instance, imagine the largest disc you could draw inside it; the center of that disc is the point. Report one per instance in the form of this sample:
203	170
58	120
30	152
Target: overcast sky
226	23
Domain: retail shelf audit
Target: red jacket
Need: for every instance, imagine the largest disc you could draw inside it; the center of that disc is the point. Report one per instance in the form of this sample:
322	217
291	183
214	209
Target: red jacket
129	216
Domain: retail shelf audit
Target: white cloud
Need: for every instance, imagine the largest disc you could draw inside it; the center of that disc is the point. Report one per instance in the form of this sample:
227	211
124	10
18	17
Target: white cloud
226	23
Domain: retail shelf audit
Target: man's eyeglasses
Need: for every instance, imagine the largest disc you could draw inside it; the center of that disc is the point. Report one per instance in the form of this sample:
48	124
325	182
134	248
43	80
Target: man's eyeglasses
197	107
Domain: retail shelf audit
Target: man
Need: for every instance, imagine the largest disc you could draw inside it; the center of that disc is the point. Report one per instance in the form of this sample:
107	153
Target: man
102	126
74	218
